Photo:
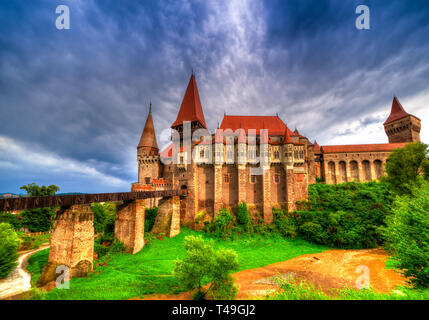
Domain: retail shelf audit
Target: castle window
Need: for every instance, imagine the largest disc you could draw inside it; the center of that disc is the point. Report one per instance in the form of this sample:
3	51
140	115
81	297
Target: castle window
147	180
276	178
252	179
202	154
181	160
276	155
226	178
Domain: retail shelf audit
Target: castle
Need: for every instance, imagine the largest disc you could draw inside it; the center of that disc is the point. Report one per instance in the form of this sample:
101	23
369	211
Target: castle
228	167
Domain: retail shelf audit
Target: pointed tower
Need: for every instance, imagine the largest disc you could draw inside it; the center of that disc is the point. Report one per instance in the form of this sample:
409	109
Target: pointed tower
148	153
190	109
401	126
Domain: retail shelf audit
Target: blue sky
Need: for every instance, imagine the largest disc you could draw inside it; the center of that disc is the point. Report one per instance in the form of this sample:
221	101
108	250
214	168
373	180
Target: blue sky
73	102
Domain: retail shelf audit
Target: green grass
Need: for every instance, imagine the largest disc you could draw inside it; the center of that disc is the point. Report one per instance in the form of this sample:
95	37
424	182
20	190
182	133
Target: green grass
293	290
36	263
150	270
33	242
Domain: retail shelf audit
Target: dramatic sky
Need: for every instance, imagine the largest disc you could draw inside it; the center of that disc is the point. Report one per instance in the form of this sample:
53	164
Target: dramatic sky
73	102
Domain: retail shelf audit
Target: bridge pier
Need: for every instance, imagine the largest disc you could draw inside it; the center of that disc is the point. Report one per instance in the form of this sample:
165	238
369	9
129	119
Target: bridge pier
129	225
72	243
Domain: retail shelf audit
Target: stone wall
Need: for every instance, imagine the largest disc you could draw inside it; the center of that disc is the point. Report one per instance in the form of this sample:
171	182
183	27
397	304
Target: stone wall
129	225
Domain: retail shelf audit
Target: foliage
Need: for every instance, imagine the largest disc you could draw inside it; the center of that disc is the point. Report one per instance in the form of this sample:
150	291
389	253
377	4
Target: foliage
284	224
204	263
150	271
32	242
104	218
9	243
105	249
348	215
39	220
407	235
221	225
243	219
291	289
404	167
149	218
15	220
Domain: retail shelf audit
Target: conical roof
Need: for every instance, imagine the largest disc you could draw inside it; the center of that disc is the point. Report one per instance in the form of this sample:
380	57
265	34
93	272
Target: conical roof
191	109
148	138
397	111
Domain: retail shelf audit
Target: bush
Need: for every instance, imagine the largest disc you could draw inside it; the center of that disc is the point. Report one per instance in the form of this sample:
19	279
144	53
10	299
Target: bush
9	243
104	218
243	219
405	167
13	219
204	264
348	215
407	235
102	249
149	218
221	225
284	224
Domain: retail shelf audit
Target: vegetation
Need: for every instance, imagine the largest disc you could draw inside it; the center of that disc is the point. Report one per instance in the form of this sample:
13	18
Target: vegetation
149	218
15	220
151	270
32	242
9	243
407	234
222	225
291	289
405	166
202	264
348	215
243	219
37	220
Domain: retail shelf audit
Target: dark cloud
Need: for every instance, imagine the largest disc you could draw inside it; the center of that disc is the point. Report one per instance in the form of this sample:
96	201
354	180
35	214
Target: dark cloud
82	94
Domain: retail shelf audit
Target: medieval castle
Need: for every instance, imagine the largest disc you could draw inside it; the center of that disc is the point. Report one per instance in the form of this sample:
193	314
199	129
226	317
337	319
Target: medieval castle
292	163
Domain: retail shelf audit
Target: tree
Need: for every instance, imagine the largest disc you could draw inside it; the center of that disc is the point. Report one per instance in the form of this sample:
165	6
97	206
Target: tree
404	167
243	218
39	219
9	243
407	235
205	264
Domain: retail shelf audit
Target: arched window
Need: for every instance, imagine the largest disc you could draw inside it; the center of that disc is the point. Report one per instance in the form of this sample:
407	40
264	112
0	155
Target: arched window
354	170
366	170
343	171
331	167
378	169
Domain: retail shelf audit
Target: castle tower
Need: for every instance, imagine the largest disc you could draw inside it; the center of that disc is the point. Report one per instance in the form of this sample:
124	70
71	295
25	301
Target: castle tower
401	126
190	109
147	153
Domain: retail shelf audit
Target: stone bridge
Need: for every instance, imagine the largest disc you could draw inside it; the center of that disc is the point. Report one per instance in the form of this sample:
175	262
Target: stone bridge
72	242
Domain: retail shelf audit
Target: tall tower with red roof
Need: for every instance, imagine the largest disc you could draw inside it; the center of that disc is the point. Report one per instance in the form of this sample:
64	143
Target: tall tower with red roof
401	126
148	153
190	109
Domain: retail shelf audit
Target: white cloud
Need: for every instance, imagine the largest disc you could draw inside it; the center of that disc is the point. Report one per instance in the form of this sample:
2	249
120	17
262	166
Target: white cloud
16	154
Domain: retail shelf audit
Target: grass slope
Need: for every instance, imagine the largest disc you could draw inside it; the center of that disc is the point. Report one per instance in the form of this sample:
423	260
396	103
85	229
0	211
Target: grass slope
150	270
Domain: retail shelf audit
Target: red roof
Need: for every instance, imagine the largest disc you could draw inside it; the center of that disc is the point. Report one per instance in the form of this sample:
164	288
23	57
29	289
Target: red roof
363	147
274	124
317	148
191	109
397	111
287	138
148	138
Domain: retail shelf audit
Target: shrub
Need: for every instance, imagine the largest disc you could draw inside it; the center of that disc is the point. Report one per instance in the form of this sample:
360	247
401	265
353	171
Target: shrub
221	225
407	235
405	166
243	219
284	224
202	264
9	243
13	219
149	218
348	215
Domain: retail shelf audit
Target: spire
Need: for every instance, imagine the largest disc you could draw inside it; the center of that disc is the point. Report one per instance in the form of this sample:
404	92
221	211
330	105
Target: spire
316	147
148	138
191	109
397	111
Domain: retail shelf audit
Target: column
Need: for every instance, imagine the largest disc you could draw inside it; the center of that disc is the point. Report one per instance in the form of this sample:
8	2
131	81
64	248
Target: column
175	217
217	188
129	225
266	196
242	183
72	243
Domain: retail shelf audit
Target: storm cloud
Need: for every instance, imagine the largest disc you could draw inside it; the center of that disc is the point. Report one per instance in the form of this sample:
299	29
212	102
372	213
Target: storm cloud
73	102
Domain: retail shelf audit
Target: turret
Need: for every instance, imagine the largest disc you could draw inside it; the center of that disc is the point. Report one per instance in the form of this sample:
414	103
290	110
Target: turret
148	153
401	126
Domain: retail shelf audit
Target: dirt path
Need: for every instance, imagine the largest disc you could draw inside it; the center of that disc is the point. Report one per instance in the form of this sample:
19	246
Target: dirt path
329	269
19	280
